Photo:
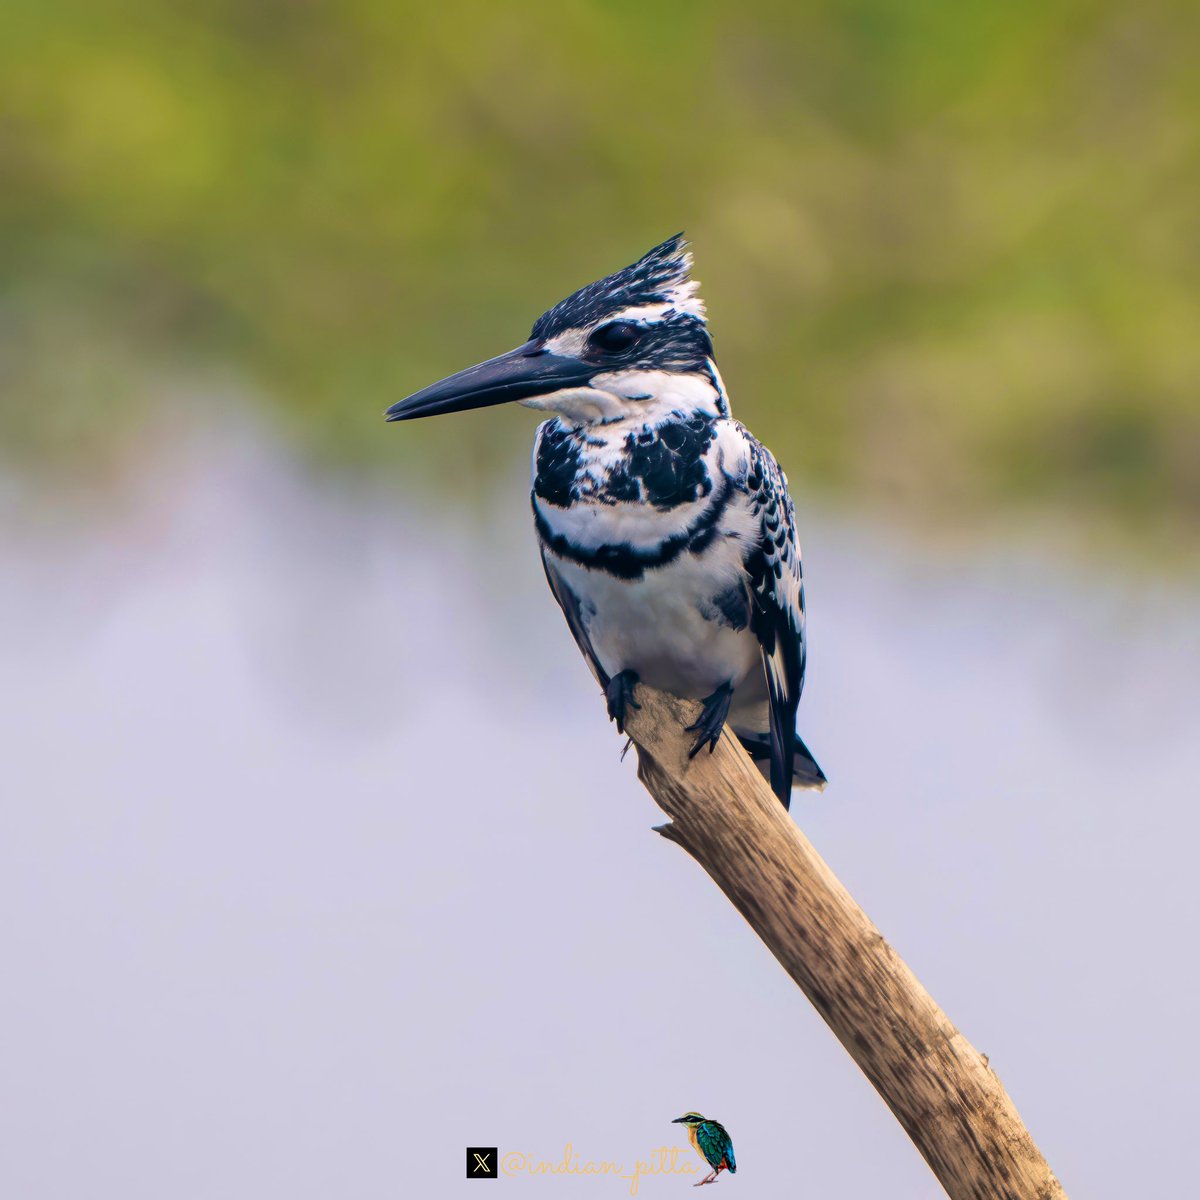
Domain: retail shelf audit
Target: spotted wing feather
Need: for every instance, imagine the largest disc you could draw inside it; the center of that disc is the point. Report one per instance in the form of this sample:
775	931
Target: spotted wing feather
777	591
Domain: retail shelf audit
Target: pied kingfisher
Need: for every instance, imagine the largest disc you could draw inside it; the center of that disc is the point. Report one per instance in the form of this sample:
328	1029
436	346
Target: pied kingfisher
666	529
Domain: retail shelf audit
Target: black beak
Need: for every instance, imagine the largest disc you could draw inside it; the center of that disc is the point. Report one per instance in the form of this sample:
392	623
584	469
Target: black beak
527	371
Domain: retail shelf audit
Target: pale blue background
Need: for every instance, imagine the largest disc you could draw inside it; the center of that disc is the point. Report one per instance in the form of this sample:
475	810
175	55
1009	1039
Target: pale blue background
318	863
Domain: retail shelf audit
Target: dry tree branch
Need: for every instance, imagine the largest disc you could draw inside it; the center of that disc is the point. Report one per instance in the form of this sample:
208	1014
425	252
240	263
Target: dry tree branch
938	1086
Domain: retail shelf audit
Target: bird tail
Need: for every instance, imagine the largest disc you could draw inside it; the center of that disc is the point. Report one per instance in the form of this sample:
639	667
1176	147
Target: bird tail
805	771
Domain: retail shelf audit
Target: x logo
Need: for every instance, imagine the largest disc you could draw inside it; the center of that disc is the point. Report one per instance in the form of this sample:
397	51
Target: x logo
482	1162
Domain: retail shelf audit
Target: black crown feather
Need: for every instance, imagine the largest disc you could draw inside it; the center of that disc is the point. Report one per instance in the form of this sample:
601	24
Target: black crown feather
659	276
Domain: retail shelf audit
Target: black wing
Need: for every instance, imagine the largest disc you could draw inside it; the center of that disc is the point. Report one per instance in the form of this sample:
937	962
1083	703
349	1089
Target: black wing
569	603
777	617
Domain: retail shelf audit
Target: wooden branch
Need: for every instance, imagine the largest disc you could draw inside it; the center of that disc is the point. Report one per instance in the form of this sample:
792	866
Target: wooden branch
938	1086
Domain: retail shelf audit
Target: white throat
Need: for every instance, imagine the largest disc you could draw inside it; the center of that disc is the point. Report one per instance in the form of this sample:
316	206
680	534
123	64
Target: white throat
636	394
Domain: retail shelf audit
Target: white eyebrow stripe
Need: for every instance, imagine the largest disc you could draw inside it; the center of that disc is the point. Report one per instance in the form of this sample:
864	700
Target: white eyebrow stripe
645	314
573	341
682	299
570	343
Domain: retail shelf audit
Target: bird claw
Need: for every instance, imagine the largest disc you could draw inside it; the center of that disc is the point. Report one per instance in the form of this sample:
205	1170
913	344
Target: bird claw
619	697
701	742
711	720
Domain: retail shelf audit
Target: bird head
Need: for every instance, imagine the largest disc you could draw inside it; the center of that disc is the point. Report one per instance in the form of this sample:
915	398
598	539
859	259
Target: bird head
629	345
691	1120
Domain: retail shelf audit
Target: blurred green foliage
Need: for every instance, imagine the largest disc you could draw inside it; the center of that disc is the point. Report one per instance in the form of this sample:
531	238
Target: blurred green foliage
949	250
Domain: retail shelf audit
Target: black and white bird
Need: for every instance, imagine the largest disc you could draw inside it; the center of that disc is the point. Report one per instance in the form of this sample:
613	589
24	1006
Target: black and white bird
666	529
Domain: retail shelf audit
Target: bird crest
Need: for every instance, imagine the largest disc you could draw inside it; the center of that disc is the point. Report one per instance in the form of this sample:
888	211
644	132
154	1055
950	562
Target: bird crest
658	284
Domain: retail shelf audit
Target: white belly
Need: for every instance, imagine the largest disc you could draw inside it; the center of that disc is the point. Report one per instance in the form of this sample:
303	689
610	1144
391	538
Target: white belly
658	627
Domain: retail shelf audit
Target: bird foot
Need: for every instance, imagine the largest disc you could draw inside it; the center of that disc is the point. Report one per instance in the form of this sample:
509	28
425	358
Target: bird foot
711	720
619	695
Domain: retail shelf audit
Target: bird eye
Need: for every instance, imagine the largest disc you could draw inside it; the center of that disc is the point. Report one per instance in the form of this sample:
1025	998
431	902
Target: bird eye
615	336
